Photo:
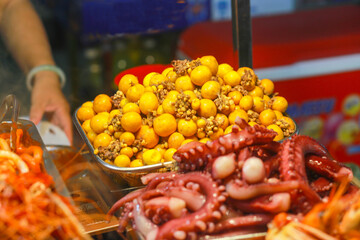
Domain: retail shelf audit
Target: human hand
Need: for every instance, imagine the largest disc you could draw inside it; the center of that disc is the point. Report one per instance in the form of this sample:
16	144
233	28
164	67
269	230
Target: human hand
47	98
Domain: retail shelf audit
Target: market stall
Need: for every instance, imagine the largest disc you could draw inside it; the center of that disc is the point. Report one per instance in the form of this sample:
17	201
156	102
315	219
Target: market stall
199	148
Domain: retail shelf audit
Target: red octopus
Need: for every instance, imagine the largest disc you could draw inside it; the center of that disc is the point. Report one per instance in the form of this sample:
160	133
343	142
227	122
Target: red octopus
173	206
233	184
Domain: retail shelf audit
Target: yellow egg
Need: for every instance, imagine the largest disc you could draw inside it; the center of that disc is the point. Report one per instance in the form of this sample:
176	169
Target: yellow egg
277	129
136	163
280	104
238	113
168	155
146	81
122	161
151	156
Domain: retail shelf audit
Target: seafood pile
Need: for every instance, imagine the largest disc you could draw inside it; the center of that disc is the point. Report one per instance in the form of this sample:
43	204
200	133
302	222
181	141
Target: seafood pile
29	206
235	184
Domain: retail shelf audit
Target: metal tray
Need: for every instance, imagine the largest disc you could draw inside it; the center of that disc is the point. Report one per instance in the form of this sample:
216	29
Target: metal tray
132	235
250	236
126	172
130	175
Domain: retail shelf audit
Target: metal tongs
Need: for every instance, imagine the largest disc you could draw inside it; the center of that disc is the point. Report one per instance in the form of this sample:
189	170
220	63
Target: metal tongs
10	103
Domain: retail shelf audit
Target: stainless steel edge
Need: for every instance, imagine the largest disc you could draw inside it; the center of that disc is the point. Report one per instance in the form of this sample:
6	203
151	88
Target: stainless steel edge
249	236
114	168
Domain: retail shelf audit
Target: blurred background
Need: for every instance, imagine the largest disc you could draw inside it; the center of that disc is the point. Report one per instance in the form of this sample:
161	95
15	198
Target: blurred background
310	48
94	40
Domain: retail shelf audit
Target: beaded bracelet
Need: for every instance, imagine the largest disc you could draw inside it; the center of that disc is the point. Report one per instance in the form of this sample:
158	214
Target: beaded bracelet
40	68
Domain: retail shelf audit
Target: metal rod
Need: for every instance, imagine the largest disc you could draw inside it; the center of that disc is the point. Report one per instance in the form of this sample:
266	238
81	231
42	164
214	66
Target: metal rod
242	33
10	103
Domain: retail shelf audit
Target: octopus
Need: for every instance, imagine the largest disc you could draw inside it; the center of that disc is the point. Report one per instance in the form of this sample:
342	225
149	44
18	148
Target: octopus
232	185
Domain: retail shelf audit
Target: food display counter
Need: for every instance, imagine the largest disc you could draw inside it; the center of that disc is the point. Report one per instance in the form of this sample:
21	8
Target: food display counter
200	148
246	183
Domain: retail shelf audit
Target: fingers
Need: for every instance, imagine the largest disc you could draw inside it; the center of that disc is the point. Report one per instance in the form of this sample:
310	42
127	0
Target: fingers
36	113
67	127
39	101
57	111
47	98
61	117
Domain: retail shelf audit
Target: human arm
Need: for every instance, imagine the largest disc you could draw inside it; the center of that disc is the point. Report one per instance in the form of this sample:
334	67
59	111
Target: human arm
26	39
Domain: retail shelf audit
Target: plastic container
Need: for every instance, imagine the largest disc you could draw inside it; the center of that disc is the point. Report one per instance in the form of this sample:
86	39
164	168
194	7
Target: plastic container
32	135
92	192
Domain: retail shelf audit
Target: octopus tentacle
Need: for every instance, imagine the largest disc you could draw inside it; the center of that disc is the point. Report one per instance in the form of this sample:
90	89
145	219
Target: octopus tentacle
160	206
237	140
158	178
128	198
241	180
271	147
142	224
275	203
293	152
195	156
193	199
292	166
124	220
321	185
329	168
190	222
250	191
271	165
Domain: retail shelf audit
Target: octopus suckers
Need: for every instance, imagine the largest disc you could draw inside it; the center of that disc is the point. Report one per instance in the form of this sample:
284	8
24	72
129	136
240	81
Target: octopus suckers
223	209
216	215
209	144
221	198
200	149
249	141
192	236
181	183
236	144
211	227
201	225
235	129
180	235
200	162
222	150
